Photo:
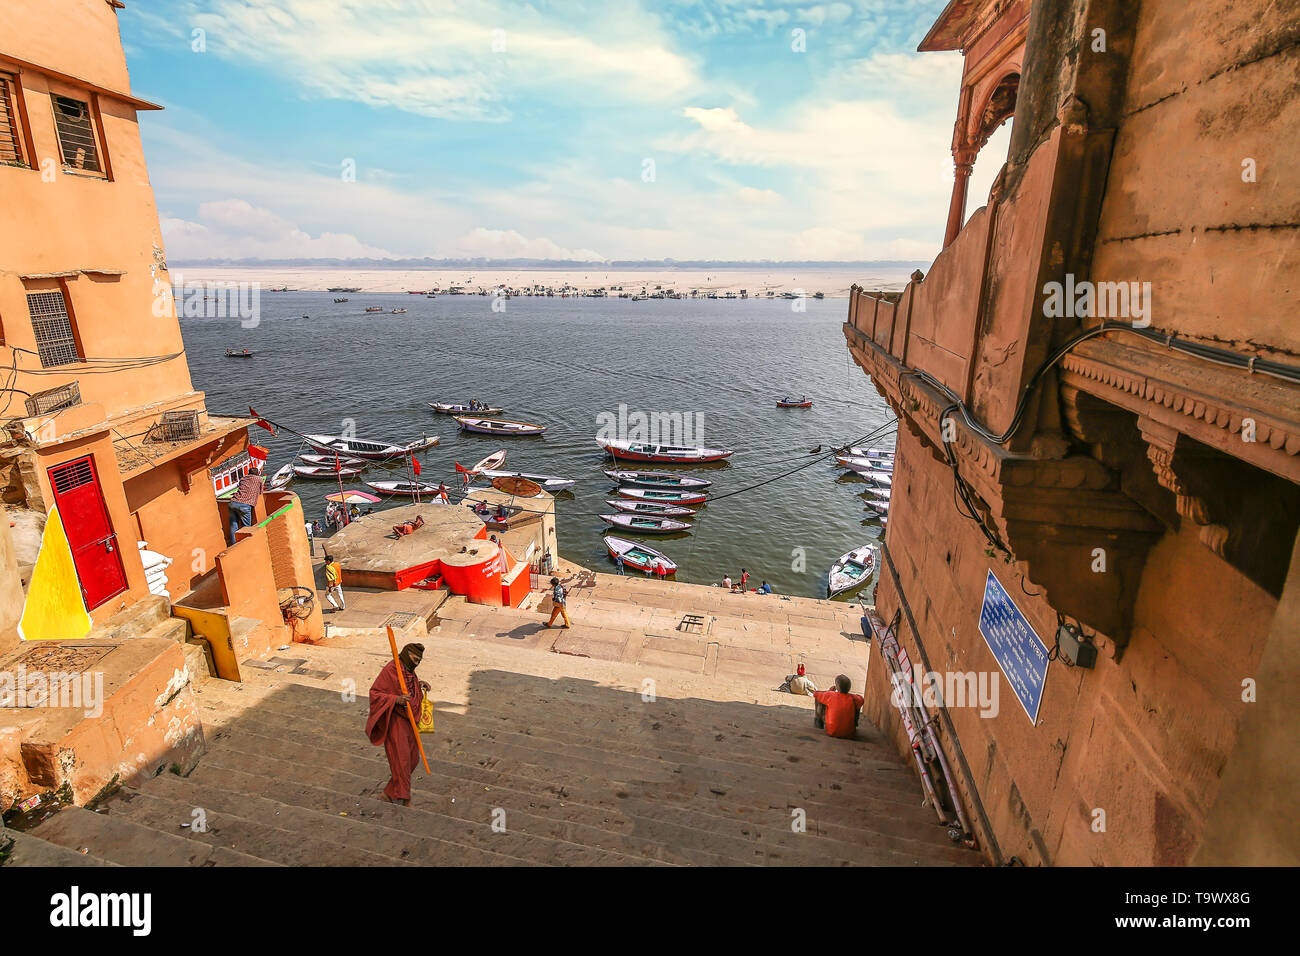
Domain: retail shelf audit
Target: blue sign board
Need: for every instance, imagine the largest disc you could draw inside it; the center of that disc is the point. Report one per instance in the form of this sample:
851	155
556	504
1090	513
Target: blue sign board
1020	651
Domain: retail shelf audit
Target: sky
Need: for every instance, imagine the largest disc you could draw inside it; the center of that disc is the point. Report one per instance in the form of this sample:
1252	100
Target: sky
601	130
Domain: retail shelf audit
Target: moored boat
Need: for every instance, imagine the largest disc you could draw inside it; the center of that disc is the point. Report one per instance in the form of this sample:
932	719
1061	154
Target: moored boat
451	408
344	461
498	426
857	451
651	508
281	478
873	464
663	496
639	556
852	570
645	524
363	448
657	479
879	506
550	483
409	488
667	454
324	471
494	460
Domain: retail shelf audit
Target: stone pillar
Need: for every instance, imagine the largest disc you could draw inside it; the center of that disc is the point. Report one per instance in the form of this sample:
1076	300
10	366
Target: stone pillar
963	163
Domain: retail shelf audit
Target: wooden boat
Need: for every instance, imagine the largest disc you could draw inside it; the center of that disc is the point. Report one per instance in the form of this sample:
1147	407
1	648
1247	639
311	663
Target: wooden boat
239	353
498	426
408	488
879	493
324	471
639	556
281	478
664	497
791	403
879	507
345	461
872	464
644	524
374	308
494	460
451	408
670	454
547	482
856	451
881	479
398	312
852	570
651	508
337	301
369	450
657	479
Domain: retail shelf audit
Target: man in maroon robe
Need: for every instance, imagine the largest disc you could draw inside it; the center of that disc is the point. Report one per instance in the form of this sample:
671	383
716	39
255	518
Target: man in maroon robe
390	725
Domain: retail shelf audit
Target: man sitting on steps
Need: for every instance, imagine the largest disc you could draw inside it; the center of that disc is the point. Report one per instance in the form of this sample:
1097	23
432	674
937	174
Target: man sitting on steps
838	710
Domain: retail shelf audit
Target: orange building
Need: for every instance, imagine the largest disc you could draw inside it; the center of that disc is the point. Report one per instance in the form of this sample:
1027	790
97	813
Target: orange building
1096	493
98	412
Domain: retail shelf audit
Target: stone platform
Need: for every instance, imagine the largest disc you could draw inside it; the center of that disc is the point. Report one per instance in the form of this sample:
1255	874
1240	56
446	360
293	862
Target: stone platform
372	556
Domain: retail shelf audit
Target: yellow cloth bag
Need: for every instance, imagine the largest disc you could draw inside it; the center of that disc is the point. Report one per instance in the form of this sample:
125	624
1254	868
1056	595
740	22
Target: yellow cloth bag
425	723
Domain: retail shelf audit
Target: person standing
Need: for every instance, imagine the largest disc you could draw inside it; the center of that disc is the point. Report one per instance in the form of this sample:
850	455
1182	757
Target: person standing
744	579
245	499
618	560
334	583
559	593
389	724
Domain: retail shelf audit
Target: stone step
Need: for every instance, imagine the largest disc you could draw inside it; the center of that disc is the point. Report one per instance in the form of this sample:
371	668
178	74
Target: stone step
615	754
663	835
440	840
23	849
119	840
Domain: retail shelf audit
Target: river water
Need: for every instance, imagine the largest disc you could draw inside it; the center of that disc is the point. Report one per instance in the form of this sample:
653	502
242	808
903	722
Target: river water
563	363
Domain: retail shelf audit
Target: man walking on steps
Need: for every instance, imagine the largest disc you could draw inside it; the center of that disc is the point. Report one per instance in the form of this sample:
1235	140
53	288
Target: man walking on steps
558	595
334	583
389	724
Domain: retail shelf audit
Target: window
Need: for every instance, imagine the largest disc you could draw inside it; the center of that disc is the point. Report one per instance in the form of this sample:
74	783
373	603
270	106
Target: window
11	136
76	134
56	342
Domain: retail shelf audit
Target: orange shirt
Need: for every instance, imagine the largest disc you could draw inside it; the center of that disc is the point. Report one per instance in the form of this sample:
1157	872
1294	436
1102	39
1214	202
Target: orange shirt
841	711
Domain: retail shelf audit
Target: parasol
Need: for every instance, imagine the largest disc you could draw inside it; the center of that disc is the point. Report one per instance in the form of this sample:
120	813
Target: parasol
353	497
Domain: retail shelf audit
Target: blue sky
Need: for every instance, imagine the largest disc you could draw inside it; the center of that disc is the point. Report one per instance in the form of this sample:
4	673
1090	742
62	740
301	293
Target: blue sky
609	130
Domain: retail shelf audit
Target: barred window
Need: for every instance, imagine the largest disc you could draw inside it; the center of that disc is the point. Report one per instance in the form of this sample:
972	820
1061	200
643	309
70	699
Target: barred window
11	139
76	134
56	343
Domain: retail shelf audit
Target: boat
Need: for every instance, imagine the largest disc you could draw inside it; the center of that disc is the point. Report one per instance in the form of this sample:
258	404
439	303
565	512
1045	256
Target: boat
881	479
855	451
657	479
645	524
651	508
280	478
374	308
337	301
398	312
498	426
664	497
239	353
792	403
324	471
854	462
879	493
494	460
550	483
369	450
670	454
879	507
639	556
345	461
451	408
401	487
852	570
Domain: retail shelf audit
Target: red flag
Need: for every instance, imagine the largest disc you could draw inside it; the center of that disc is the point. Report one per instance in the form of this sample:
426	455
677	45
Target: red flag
416	465
462	468
268	427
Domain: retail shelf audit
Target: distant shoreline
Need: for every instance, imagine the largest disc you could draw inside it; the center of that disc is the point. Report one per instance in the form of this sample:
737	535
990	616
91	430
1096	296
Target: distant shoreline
755	283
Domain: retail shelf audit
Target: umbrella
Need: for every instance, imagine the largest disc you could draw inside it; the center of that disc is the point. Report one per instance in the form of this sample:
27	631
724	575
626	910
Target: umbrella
353	497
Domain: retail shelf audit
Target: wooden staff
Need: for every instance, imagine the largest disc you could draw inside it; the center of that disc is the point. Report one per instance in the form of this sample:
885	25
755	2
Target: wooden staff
401	681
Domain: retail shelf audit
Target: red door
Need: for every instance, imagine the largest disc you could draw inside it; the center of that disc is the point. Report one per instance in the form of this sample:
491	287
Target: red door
85	520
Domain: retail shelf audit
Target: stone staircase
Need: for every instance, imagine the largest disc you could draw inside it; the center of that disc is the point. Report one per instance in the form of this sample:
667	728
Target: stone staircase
539	758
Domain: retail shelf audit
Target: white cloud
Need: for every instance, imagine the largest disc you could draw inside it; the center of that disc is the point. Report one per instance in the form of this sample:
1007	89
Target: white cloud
508	244
233	228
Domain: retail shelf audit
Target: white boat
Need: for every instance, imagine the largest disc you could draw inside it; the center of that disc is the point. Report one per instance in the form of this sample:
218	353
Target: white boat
411	489
494	460
852	570
369	450
639	556
324	471
667	454
452	408
281	478
854	462
498	426
856	451
645	524
346	461
550	483
879	493
878	506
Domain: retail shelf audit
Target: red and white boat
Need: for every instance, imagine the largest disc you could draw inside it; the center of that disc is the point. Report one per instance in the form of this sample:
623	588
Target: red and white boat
651	508
639	556
658	479
411	489
668	454
793	403
343	461
663	497
324	471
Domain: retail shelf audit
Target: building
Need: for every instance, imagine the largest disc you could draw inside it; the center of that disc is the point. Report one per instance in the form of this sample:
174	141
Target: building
1105	522
99	417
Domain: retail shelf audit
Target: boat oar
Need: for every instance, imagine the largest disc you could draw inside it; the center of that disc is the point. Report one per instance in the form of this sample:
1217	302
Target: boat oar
410	714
